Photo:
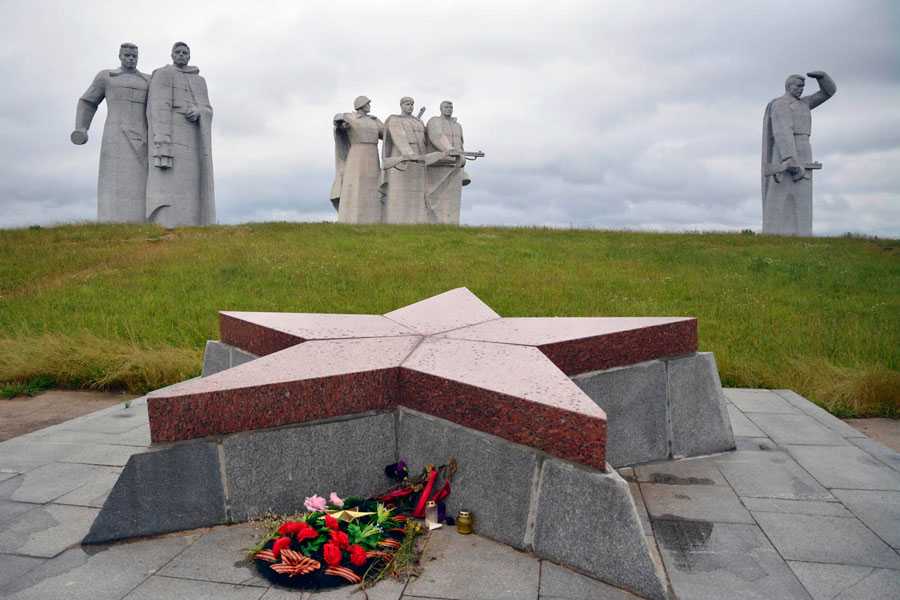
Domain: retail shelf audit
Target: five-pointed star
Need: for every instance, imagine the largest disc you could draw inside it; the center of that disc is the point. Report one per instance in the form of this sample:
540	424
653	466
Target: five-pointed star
450	356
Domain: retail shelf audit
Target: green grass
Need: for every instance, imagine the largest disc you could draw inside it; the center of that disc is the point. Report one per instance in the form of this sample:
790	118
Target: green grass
117	306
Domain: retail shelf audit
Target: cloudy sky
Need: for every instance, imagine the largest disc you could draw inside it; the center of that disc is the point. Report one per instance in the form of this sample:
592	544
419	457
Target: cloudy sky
638	115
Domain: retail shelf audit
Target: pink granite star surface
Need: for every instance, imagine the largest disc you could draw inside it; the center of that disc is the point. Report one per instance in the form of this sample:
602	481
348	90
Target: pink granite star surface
450	356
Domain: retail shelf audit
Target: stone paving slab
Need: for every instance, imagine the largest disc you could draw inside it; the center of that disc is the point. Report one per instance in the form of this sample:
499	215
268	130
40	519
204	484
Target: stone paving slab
166	588
817	412
103	454
103	573
95	491
797	507
886	455
49	482
694	502
845	467
715	561
46	531
10	510
754	401
769	475
13	567
842	582
559	583
462	574
836	540
741	425
754	444
880	511
697	471
219	556
796	429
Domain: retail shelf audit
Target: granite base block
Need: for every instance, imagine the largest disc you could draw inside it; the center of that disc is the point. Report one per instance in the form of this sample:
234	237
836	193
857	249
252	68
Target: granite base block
588	520
700	422
219	356
275	469
495	477
634	399
161	491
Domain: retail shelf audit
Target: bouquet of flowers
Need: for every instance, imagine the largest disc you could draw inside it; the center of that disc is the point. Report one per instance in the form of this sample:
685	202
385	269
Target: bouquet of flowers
334	543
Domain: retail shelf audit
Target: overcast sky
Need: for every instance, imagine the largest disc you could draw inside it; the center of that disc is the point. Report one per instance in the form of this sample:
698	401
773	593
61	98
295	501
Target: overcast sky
638	115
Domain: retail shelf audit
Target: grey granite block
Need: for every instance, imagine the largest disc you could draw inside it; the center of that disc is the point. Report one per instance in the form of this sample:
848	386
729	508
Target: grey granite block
741	425
49	482
694	471
239	357
839	540
845	467
796	429
587	519
636	495
634	398
700	422
797	507
158	587
771	474
274	470
495	477
753	401
216	357
844	582
879	510
95	491
218	557
886	455
718	561
98	573
512	576
45	531
172	489
559	583
820	414
694	502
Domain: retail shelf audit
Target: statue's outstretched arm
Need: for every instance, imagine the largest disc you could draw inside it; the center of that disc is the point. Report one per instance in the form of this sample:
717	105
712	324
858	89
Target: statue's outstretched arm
827	88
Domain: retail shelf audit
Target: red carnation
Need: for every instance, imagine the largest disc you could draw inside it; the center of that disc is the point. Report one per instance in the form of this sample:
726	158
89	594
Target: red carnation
331	522
290	527
340	538
305	532
280	544
332	554
357	555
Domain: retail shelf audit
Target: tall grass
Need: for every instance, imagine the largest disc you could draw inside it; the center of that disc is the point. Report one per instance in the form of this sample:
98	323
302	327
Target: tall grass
131	306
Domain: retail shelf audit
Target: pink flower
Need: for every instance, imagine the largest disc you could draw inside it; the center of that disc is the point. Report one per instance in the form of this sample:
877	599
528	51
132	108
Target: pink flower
315	503
336	500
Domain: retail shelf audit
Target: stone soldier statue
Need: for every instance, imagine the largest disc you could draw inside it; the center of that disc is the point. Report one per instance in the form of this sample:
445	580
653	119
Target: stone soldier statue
787	163
122	180
403	175
354	192
180	184
445	178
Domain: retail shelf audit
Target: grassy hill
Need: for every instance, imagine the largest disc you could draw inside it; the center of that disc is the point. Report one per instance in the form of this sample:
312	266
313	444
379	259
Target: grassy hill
121	306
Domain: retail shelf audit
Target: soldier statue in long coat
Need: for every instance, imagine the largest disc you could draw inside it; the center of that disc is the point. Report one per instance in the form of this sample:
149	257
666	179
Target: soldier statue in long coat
180	184
787	163
122	179
354	192
445	178
403	177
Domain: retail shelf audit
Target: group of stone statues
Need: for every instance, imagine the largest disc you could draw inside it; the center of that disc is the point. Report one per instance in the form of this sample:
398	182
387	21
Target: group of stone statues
156	153
419	176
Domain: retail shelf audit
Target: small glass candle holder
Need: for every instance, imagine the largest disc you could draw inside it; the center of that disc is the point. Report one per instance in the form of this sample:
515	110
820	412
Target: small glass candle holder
431	515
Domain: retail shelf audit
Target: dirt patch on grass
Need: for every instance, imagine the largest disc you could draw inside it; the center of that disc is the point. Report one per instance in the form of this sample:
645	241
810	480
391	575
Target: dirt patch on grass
22	415
886	431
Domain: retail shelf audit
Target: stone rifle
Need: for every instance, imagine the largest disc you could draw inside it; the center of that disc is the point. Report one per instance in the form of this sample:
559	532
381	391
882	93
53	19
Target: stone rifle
426	159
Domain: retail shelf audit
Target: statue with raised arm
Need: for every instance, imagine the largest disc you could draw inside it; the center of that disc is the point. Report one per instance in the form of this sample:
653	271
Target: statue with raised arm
403	166
355	193
444	178
122	179
180	183
787	162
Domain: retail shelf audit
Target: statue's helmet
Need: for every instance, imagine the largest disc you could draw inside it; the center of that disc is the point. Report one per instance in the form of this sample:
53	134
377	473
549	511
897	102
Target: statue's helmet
360	102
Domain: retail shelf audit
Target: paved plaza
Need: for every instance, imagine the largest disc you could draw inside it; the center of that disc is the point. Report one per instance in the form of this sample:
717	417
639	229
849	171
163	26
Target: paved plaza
807	507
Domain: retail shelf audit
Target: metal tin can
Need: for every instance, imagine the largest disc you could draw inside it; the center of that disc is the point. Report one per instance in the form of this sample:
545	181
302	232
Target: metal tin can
464	522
